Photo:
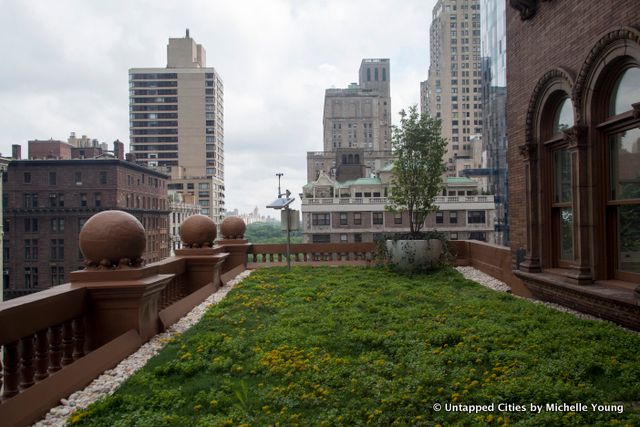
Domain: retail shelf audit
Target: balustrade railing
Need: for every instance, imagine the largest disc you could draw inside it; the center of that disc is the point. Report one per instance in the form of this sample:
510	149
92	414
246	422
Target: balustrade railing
46	333
309	253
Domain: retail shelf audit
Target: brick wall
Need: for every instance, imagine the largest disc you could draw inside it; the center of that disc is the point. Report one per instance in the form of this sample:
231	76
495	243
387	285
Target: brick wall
561	34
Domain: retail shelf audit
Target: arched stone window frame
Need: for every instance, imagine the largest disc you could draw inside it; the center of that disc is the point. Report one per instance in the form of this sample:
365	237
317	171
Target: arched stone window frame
614	53
542	145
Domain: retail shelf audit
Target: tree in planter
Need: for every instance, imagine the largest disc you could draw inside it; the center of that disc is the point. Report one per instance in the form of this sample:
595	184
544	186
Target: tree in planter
417	171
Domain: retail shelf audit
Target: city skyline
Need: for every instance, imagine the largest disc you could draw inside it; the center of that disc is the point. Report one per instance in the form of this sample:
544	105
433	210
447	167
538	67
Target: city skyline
69	68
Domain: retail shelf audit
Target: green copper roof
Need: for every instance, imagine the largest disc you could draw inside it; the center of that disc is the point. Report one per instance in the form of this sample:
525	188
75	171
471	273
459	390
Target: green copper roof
460	180
359	181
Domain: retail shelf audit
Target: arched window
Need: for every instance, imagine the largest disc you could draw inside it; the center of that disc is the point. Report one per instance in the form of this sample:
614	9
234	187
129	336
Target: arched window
625	92
621	134
375	74
558	117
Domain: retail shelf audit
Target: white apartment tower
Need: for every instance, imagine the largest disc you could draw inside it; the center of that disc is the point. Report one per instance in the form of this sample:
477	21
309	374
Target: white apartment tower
177	123
455	75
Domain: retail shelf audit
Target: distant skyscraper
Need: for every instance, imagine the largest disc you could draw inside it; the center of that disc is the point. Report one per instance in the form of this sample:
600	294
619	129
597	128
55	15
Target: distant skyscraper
494	114
177	123
356	126
455	76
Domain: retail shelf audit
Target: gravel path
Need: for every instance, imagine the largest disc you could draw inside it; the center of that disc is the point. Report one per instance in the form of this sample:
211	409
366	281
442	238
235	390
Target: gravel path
107	383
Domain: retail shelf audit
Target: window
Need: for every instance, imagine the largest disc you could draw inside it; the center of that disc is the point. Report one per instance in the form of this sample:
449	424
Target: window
103	177
478	235
52	178
439	217
453	217
30	200
378	218
98	199
57	249
625	92
27	178
561	207
31	277
83	199
357	237
453	236
78	178
476	217
343	218
81	222
31	225
320	219
397	218
357	218
320	238
31	249
344	238
57	275
57	225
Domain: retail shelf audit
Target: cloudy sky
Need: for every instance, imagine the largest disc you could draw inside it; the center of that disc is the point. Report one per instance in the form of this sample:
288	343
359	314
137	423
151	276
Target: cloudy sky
65	68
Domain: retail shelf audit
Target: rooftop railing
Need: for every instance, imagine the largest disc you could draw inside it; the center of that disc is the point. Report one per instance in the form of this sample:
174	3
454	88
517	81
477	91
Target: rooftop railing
383	200
58	340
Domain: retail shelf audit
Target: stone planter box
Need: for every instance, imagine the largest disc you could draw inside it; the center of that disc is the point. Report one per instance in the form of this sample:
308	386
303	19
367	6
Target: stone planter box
414	255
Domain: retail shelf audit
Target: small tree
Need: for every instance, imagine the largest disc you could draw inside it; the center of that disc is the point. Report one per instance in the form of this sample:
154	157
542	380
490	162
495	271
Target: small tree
419	149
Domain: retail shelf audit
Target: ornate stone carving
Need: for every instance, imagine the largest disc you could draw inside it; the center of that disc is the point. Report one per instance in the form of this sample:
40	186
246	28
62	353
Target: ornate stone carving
112	239
198	231
576	136
538	90
528	152
622	35
527	8
233	227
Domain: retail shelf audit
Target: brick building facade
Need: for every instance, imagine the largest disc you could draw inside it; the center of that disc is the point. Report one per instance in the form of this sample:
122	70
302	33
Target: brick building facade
573	114
46	202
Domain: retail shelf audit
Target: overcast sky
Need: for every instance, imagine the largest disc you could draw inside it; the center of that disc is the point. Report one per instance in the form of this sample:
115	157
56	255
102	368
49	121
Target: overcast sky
65	68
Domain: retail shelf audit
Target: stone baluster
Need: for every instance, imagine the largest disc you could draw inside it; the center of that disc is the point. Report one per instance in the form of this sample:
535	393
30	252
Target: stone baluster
67	343
78	338
42	355
55	348
26	362
11	374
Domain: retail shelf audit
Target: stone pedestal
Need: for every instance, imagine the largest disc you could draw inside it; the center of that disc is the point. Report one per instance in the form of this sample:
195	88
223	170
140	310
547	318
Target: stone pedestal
119	304
237	250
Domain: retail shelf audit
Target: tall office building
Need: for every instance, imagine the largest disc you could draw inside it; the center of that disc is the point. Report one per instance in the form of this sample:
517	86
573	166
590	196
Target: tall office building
356	126
177	123
455	77
494	113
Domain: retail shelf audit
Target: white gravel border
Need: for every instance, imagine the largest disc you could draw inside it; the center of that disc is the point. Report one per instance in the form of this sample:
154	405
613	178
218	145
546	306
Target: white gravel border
107	383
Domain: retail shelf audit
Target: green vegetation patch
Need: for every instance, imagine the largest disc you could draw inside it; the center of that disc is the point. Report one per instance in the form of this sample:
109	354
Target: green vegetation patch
365	346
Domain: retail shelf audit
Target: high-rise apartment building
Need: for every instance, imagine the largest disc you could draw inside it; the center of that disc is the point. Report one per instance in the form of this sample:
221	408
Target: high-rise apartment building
494	113
455	76
177	123
356	126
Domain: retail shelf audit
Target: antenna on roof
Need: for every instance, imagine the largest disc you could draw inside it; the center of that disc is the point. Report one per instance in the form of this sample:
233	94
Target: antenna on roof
187	33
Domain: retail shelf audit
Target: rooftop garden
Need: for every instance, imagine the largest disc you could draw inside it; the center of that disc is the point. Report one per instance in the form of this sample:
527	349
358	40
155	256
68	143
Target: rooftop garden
365	346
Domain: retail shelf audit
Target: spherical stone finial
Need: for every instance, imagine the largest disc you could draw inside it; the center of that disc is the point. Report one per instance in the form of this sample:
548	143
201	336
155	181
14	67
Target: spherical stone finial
198	231
112	239
233	227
